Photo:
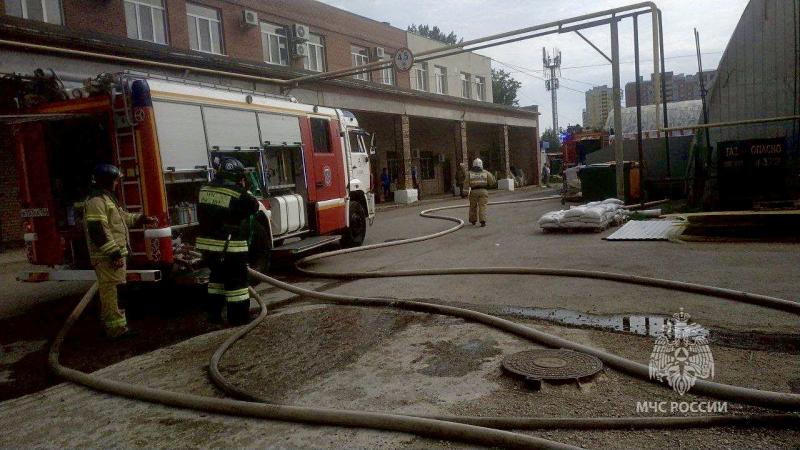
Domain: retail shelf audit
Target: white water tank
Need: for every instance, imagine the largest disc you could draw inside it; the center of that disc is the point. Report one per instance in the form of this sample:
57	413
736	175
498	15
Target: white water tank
288	214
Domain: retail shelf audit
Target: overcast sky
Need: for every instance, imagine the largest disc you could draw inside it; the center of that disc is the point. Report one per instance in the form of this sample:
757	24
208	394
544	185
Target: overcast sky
470	19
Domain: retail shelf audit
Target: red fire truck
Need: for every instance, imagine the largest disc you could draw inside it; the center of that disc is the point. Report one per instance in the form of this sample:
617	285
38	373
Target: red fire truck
308	165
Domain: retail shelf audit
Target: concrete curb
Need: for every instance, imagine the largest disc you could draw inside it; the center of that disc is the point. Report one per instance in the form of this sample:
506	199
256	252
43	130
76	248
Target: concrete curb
441	199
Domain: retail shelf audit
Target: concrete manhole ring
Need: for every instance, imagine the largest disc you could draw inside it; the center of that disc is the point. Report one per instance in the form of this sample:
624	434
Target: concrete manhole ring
555	365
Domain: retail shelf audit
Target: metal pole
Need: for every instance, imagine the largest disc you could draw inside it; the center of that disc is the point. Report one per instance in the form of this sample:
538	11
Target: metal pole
638	109
618	149
554	101
664	92
703	99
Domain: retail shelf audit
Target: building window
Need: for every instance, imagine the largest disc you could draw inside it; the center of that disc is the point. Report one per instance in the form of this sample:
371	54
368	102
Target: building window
465	85
275	44
146	20
360	58
440	78
320	135
480	88
205	30
426	166
387	73
419	77
316	53
42	10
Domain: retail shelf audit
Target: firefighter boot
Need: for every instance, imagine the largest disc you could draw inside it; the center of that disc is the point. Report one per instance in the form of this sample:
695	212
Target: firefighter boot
239	312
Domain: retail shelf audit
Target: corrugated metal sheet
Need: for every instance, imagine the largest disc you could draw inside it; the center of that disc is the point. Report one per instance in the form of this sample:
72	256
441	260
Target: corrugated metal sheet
756	77
648	230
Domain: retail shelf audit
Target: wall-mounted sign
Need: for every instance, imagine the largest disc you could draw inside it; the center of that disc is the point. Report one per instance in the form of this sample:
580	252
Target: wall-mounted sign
752	169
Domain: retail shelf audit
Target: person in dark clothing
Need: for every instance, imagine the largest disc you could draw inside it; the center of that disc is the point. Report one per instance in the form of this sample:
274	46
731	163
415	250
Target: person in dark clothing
386	183
222	206
415	182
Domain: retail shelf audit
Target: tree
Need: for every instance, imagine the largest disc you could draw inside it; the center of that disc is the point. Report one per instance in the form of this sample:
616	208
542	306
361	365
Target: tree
575	129
435	33
552	138
504	88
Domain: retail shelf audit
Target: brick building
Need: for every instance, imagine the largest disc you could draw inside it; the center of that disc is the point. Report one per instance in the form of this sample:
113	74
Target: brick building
414	127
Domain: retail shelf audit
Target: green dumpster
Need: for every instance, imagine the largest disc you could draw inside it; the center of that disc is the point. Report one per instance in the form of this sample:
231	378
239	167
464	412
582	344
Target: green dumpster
599	182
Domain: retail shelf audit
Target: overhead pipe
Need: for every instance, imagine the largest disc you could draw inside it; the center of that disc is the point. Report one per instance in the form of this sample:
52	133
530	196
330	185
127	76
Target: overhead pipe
733	123
105	56
463	45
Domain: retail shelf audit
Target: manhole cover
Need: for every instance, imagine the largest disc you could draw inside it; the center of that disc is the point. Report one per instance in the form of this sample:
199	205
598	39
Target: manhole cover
552	364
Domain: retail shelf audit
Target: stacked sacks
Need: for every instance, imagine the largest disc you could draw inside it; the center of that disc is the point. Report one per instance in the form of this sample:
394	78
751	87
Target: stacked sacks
594	215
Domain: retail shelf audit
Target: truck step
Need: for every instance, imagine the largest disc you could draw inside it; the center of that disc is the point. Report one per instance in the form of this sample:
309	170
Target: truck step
307	244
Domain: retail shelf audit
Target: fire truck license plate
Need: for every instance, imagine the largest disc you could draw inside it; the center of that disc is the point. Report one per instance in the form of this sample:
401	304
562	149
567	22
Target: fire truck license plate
34	212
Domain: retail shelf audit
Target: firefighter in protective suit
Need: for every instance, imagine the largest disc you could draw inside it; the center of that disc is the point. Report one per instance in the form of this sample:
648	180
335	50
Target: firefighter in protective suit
477	181
222	206
106	226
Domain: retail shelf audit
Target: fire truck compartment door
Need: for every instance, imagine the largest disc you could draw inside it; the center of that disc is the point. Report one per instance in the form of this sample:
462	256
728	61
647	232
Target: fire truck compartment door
288	214
326	182
181	138
278	130
228	128
44	241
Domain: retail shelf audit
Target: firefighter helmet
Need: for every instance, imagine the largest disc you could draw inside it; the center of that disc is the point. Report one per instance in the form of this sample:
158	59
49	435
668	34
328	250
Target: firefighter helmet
477	163
231	169
106	173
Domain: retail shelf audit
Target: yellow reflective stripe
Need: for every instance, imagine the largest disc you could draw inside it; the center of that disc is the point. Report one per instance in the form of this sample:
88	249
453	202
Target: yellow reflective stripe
95	218
118	323
237	295
219	245
109	247
221	190
210	241
216	288
214	198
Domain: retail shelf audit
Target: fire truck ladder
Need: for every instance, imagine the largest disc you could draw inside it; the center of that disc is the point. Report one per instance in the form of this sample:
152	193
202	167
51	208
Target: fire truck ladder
127	151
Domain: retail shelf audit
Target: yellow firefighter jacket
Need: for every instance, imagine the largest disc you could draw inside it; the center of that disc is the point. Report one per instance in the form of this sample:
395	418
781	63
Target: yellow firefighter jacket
101	208
480	180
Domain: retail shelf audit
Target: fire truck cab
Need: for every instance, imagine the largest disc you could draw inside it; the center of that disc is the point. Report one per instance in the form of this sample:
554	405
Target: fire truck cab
307	164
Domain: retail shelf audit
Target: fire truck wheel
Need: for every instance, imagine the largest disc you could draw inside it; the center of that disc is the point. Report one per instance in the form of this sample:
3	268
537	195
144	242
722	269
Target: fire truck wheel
354	235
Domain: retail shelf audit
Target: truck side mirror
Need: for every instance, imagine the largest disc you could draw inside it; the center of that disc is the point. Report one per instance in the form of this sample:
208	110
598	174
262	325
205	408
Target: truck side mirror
372	144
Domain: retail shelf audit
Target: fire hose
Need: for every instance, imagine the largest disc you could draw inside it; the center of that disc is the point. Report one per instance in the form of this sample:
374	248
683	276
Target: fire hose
476	430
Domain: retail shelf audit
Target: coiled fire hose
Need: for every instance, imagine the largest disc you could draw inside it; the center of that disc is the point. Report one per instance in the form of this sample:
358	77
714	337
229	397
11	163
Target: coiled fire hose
465	429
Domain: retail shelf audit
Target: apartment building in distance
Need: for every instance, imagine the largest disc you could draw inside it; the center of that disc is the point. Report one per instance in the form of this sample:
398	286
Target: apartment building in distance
433	118
677	88
598	104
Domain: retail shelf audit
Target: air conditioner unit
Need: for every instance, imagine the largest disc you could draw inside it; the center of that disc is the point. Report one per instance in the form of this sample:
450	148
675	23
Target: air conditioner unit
300	32
250	17
379	53
300	50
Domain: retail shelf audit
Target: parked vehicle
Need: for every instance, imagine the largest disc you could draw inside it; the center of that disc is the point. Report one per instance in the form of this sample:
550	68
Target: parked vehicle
307	164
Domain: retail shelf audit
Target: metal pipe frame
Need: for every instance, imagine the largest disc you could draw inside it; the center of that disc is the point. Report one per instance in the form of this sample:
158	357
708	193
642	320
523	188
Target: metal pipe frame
733	123
638	109
559	28
378	65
